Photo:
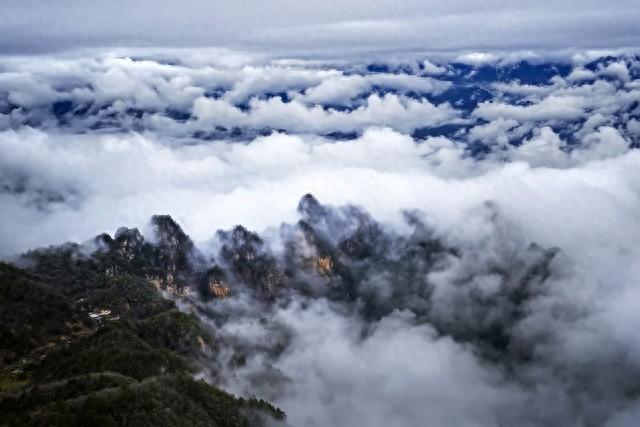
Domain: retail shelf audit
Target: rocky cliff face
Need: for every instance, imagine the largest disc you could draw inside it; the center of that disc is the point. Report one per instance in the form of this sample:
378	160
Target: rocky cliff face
331	252
175	252
249	262
339	254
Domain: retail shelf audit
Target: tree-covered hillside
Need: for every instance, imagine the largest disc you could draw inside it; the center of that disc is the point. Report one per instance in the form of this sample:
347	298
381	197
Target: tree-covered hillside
90	340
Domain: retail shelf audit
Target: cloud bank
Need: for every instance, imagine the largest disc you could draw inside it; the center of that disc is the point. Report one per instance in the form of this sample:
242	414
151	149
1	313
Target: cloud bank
497	198
319	27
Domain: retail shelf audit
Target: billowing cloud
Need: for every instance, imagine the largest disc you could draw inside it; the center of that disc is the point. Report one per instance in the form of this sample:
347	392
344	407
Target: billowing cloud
390	110
474	259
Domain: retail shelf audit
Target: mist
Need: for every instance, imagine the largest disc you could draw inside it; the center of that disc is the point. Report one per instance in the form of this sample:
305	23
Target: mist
442	240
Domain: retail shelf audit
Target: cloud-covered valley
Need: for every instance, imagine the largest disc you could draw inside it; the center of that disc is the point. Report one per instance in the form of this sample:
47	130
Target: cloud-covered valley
473	231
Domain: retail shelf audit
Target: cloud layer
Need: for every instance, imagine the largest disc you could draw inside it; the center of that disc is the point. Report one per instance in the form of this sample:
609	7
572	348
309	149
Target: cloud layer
320	27
500	159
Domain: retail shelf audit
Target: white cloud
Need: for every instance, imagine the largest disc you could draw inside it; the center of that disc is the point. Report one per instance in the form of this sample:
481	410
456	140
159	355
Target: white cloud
355	381
398	112
432	69
550	108
341	90
618	70
496	131
580	74
478	58
633	127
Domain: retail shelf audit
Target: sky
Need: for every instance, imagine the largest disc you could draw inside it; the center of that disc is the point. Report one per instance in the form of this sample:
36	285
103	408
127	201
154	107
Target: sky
319	26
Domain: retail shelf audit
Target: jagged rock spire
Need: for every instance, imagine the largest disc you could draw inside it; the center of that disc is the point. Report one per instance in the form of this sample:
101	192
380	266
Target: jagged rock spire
168	232
128	242
175	250
310	209
244	254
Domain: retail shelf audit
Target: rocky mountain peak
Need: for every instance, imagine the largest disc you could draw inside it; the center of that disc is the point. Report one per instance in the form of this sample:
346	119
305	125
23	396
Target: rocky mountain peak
169	233
310	209
175	250
128	242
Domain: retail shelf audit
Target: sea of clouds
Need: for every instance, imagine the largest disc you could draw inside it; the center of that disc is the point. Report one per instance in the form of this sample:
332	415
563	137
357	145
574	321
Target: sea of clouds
495	152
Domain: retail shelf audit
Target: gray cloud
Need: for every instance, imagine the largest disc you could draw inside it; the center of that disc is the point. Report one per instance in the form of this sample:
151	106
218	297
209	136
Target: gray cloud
318	26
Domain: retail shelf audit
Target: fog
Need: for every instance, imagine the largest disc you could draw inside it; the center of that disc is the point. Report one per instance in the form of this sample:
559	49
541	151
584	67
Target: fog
501	218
